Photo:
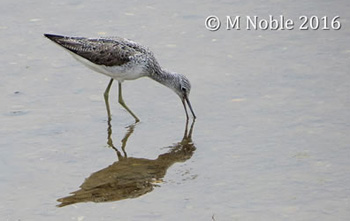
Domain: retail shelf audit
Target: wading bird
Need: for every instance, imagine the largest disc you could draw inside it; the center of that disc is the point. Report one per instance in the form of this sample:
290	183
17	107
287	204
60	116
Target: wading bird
122	59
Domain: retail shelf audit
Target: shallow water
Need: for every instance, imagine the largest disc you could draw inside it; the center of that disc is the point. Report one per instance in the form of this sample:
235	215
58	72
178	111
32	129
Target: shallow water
271	141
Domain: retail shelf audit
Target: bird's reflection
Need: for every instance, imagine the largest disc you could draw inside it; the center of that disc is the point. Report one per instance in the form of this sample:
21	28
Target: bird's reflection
130	177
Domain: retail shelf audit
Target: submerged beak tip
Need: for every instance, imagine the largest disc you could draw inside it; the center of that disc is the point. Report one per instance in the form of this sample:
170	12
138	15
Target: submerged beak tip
189	105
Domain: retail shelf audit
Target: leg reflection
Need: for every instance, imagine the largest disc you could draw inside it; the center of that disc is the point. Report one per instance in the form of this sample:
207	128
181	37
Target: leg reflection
130	177
129	131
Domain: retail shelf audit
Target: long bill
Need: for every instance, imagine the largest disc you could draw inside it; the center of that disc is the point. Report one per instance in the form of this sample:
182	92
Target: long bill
189	105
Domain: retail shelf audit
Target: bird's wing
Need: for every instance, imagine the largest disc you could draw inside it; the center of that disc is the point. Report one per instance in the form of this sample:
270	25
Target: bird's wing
109	52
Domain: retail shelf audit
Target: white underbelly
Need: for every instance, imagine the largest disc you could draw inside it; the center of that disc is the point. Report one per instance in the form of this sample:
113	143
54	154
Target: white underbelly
119	73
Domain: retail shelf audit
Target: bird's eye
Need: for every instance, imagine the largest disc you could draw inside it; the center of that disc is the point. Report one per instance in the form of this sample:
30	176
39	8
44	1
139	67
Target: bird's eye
183	89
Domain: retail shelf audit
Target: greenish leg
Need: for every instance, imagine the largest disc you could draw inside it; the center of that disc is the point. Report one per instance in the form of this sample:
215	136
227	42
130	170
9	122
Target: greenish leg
121	102
106	95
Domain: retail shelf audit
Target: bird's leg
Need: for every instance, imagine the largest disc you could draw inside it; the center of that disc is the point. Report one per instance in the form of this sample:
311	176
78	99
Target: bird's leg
106	95
121	102
109	129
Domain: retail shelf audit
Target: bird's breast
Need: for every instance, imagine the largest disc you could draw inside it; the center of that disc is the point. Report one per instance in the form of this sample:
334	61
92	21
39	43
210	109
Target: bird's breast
128	71
125	71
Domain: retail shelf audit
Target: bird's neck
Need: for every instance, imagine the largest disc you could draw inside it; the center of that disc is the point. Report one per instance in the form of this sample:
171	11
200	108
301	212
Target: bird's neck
164	77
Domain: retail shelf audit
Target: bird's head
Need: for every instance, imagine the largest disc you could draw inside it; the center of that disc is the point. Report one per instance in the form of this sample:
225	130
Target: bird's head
183	89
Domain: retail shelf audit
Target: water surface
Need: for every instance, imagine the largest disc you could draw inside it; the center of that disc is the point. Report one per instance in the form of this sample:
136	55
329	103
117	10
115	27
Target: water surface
272	135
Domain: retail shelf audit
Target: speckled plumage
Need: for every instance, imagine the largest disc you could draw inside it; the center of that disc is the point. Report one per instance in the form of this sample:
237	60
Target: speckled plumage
122	59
